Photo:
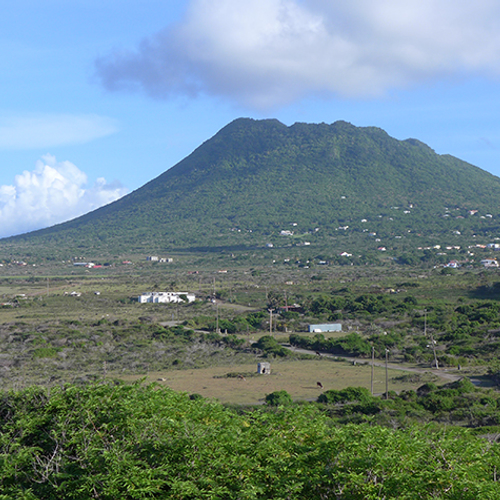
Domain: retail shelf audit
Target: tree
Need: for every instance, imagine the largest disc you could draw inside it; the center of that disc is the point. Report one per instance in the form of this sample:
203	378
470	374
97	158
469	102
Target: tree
274	299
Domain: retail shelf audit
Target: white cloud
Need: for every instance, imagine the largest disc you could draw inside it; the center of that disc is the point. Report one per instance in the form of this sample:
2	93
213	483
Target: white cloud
265	53
43	131
53	192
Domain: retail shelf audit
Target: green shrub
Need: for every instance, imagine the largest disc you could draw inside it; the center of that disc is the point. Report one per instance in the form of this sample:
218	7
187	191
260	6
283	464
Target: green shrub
270	346
45	352
426	388
350	394
279	398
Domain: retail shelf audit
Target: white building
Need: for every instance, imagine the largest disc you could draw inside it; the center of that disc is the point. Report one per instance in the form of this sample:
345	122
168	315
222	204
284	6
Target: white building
165	297
155	258
264	368
489	263
327	327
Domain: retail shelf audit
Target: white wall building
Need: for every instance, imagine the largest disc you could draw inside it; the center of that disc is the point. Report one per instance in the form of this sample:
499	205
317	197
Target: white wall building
489	263
165	297
155	258
326	327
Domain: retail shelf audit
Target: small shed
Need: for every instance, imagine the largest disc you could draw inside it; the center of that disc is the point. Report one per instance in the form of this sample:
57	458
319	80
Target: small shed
328	327
264	368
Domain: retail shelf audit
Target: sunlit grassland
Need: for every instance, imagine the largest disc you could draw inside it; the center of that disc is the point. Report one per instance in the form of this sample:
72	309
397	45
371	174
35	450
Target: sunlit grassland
298	378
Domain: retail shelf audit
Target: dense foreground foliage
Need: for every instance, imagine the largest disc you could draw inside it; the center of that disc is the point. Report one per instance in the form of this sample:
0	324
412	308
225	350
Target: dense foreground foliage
110	442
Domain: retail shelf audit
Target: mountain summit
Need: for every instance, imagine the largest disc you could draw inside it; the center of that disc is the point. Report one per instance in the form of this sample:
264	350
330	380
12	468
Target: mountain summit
257	178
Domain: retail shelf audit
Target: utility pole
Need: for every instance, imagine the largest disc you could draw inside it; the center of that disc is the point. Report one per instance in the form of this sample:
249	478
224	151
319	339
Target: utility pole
373	362
214	300
386	375
217	317
433	344
270	321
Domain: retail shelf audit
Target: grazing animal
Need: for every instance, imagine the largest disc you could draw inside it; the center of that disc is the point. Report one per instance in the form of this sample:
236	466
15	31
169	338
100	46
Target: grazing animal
318	353
241	377
320	385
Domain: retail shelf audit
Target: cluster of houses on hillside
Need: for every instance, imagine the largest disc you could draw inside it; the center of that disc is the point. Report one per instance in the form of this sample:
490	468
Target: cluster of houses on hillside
484	262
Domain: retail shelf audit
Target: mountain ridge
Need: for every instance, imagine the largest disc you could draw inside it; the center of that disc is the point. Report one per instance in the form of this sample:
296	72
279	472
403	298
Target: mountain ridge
257	176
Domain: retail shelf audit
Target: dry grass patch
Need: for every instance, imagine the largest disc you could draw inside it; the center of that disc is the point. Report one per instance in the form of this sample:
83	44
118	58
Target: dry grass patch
298	378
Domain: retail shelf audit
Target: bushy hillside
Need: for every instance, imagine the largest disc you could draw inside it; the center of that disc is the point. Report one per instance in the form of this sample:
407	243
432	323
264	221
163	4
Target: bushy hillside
254	179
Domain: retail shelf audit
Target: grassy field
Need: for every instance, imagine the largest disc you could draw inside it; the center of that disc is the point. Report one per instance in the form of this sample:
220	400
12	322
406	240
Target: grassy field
298	378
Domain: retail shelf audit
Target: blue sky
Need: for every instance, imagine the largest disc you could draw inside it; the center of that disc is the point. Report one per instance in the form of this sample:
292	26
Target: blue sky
99	97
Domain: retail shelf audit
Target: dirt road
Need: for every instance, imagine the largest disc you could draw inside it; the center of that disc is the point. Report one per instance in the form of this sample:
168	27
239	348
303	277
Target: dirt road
442	373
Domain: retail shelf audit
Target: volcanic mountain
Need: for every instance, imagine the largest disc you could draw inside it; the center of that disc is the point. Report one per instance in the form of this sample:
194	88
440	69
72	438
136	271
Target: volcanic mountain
260	181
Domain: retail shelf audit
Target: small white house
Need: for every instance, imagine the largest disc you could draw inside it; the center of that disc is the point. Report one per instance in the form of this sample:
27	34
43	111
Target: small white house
264	368
165	297
328	327
489	263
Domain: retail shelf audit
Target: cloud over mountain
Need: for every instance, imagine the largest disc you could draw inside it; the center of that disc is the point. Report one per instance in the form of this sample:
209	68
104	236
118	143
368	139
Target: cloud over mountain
52	193
264	53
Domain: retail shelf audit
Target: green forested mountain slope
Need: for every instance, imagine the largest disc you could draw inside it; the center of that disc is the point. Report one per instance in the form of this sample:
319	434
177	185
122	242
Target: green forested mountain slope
255	178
